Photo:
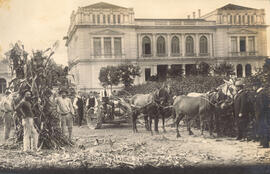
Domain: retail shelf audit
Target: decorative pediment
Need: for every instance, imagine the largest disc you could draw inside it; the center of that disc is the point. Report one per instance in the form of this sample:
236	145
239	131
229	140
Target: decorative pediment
104	5
106	32
242	31
235	7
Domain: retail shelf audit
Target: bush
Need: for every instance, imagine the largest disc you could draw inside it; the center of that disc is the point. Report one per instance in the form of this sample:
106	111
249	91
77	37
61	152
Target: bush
180	86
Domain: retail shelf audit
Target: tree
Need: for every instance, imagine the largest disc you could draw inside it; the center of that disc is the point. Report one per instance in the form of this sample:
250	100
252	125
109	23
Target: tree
224	69
204	69
39	74
128	72
109	76
175	72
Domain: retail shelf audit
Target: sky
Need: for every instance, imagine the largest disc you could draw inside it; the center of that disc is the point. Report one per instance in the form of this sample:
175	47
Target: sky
38	24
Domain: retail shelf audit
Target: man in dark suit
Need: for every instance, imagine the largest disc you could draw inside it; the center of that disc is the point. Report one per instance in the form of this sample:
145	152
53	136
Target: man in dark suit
241	110
262	115
79	105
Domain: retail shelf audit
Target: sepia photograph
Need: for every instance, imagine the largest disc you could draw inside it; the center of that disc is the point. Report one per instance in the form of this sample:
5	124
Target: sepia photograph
135	86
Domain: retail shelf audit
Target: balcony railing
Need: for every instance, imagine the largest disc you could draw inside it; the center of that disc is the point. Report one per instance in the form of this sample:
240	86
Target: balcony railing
162	55
107	56
176	54
204	54
147	55
241	54
190	54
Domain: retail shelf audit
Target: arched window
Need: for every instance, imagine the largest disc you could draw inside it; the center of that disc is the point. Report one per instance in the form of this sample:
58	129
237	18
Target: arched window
248	70
189	46
3	85
175	46
203	45
146	44
160	46
239	70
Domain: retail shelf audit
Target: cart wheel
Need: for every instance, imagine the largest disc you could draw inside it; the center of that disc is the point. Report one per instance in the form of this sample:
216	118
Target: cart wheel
93	122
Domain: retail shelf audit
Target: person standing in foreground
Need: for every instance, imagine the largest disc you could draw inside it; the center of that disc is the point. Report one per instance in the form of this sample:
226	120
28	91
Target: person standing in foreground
66	111
91	107
79	105
8	111
30	134
262	115
240	108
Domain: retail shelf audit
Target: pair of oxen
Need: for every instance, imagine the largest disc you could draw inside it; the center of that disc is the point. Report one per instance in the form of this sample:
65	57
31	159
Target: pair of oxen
191	106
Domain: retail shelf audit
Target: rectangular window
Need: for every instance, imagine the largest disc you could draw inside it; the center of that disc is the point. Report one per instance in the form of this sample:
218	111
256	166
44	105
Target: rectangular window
109	19
252	19
244	19
97	46
107	46
114	19
230	22
98	19
104	19
234	19
251	45
248	19
147	72
117	46
94	18
234	44
242	44
239	19
118	19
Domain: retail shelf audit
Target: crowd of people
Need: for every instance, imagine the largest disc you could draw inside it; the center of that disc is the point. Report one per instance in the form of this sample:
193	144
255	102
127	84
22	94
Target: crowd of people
82	107
69	108
252	106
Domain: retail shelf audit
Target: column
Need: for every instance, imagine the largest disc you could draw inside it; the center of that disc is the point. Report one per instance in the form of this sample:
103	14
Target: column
184	69
247	49
139	45
244	70
197	49
238	45
91	47
211	45
154	45
169	45
183	45
112	43
102	47
123	46
111	16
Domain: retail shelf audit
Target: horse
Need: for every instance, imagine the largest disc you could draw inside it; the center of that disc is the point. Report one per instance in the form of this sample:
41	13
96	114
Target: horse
203	106
152	105
143	104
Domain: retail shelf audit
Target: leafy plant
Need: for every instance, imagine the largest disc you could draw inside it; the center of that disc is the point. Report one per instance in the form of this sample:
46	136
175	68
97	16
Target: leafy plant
224	69
39	74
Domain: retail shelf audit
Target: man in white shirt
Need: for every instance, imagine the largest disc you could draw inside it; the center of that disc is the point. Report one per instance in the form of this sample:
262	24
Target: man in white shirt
66	112
8	112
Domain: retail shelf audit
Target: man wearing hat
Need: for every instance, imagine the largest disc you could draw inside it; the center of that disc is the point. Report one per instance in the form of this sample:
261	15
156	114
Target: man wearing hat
262	115
241	110
66	111
8	112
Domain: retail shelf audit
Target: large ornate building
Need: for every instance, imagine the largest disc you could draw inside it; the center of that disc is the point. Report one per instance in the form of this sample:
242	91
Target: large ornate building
104	34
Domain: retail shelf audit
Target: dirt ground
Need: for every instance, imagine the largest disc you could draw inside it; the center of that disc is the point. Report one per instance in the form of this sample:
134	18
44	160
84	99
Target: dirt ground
116	146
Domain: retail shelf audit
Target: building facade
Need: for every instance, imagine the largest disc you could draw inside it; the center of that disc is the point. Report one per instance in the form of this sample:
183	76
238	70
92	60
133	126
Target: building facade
103	34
